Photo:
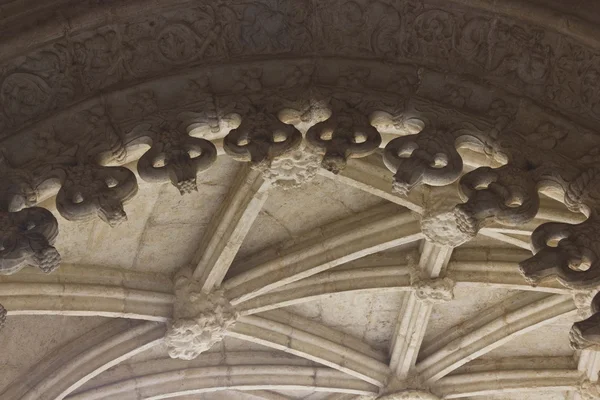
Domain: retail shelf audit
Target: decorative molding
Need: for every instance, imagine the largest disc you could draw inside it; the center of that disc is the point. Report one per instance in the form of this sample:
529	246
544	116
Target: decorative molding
200	319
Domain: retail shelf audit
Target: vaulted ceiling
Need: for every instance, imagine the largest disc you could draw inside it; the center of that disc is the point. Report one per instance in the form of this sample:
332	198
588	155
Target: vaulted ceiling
275	199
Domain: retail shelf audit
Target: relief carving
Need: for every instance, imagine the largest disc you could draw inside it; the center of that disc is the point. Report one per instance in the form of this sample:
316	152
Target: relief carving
292	169
26	239
200	319
585	334
429	157
347	133
260	139
89	191
176	157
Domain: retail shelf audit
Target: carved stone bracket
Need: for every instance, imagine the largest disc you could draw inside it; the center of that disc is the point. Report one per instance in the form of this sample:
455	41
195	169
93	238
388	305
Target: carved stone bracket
26	238
348	133
173	156
585	334
261	139
200	319
429	157
89	191
567	252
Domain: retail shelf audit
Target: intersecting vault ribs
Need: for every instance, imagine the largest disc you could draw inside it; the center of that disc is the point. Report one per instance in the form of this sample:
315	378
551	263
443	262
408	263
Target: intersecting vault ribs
200	319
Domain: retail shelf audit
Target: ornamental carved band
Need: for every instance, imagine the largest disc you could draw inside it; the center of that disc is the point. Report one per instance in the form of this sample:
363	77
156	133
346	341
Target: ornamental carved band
518	93
200	319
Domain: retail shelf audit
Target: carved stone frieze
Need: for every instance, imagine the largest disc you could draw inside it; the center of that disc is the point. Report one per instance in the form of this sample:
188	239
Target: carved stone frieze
26	239
526	59
200	319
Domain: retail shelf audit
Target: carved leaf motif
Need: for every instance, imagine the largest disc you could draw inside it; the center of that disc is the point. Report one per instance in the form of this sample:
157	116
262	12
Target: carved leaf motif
24	95
26	238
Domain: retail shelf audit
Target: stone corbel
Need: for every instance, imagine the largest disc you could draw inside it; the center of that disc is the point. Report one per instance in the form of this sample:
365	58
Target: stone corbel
585	334
429	157
570	252
26	234
347	133
261	139
90	190
200	319
174	156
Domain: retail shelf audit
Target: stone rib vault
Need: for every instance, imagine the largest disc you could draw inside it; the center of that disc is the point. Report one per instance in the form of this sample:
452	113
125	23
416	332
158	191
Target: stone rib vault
299	199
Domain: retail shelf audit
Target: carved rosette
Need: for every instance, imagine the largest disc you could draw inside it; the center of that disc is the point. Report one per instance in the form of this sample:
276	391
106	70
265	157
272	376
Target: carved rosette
261	139
91	190
346	134
200	319
26	238
176	157
292	170
429	157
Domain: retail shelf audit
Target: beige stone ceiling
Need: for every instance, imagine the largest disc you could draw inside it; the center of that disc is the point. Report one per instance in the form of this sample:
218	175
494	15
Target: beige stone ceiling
164	233
335	291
